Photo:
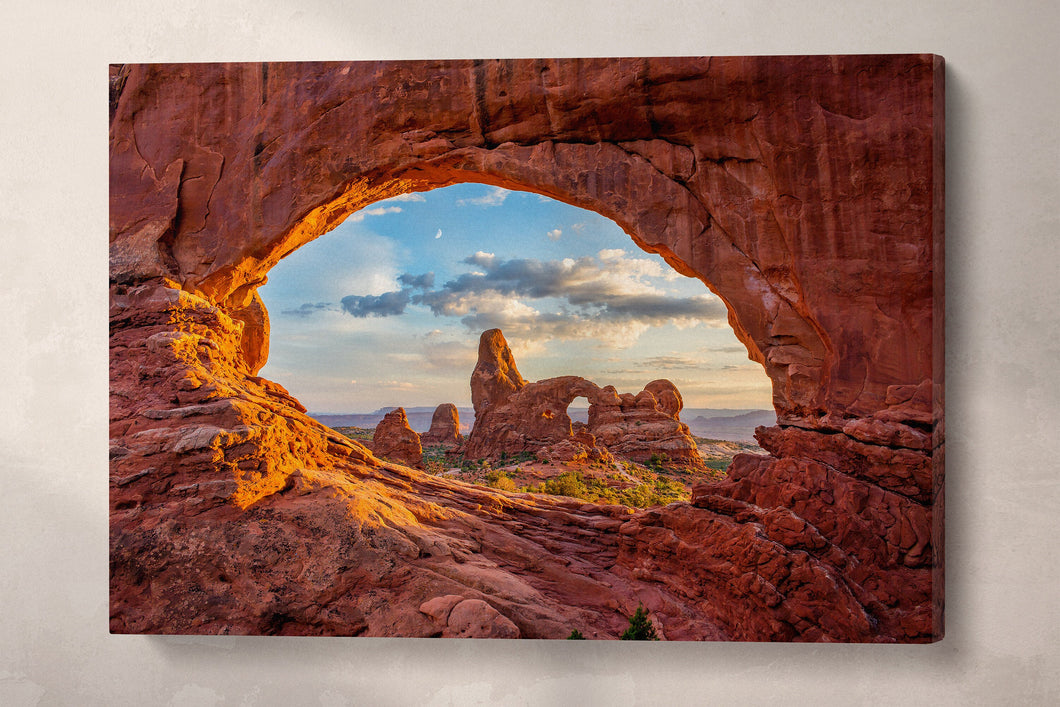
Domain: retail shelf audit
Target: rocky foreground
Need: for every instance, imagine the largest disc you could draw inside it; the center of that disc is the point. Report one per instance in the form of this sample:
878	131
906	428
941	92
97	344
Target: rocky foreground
234	512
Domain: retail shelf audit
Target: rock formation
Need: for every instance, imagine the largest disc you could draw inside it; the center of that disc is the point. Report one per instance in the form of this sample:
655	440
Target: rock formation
495	378
581	446
805	191
645	425
445	427
513	416
396	441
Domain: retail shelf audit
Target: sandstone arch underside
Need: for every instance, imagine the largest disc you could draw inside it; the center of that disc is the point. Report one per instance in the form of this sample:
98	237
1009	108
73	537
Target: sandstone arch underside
805	191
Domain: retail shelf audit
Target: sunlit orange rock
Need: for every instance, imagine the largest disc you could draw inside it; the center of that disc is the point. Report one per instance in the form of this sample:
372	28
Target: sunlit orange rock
395	440
496	376
805	191
640	427
445	427
513	416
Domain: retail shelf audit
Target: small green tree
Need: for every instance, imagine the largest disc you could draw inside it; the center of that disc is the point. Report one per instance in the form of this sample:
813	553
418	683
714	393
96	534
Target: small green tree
575	635
640	628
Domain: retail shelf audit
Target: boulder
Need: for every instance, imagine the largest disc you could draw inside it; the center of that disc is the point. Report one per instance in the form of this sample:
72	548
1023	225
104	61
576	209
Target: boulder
438	608
474	618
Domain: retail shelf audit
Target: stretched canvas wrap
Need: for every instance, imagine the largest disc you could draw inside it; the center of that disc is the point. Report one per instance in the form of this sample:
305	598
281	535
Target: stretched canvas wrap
798	201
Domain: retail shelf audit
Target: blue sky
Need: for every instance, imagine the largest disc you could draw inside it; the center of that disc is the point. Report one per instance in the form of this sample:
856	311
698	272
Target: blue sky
387	308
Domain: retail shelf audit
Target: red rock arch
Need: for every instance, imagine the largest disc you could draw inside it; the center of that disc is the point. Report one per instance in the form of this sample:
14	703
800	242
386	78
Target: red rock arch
775	209
805	192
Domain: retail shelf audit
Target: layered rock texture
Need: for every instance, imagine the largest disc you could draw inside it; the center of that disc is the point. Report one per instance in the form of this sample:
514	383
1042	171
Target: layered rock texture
513	416
648	424
806	192
395	441
445	427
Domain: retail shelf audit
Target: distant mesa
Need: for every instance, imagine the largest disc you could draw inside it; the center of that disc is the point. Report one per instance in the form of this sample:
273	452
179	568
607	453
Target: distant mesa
713	423
736	428
445	427
420	418
514	416
395	441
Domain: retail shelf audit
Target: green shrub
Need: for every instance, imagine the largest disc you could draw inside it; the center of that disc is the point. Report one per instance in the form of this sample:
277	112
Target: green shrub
668	491
575	635
499	480
656	492
640	628
657	462
504	483
569	483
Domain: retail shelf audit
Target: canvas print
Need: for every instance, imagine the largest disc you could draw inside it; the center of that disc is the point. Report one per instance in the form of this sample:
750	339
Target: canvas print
629	348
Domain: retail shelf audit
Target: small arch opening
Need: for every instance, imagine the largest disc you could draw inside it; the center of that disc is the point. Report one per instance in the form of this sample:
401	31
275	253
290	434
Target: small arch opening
578	412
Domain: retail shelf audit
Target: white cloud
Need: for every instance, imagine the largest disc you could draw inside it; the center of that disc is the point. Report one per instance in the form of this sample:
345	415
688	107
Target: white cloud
410	196
340	263
374	211
527	347
482	258
554	234
615	258
527	325
438	234
611	299
495	197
